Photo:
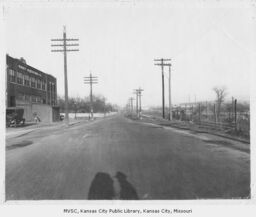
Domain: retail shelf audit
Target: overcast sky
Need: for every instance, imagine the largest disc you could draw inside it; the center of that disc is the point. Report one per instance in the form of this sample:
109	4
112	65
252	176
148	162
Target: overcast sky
209	46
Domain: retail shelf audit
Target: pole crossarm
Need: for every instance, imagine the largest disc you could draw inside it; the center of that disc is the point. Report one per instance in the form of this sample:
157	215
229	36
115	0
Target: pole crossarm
90	82
57	50
66	39
61	45
162	59
56	45
164	64
72	39
64	50
91	77
139	91
72	44
72	50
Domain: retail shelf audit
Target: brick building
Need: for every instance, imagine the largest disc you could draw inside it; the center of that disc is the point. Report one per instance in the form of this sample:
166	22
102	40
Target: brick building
31	89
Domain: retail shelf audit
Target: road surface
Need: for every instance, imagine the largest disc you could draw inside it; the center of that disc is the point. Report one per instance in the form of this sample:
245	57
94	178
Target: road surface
81	161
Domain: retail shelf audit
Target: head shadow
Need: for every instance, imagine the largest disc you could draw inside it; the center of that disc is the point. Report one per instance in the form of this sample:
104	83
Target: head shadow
102	187
127	191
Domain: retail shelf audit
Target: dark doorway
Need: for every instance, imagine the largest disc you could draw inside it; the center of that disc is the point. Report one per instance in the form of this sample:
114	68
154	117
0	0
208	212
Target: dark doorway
12	101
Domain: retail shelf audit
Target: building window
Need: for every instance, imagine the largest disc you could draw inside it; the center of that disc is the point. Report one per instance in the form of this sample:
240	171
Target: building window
33	82
53	87
26	80
27	98
19	78
38	99
20	96
12	101
11	75
39	84
43	85
33	98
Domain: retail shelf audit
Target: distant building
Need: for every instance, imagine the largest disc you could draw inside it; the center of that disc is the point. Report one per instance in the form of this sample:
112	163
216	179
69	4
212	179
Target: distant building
31	89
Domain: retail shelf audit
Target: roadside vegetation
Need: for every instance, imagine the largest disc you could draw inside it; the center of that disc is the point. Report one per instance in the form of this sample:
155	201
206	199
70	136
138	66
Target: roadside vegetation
82	105
229	116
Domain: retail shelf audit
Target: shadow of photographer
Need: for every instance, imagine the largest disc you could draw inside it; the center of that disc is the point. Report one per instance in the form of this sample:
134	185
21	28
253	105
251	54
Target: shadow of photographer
102	188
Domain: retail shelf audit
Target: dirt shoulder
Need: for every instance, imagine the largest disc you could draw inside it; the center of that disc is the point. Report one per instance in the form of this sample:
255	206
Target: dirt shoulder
192	127
209	136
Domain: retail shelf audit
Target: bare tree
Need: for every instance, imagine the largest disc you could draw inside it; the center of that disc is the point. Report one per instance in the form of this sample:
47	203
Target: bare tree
221	92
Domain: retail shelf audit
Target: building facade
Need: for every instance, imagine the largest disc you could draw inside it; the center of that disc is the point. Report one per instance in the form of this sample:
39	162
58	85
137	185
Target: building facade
29	87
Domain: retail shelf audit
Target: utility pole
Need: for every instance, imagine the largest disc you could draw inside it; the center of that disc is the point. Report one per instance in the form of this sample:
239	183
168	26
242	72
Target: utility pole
128	106
162	62
136	92
139	94
138	101
64	48
232	108
131	103
170	95
75	109
235	110
91	80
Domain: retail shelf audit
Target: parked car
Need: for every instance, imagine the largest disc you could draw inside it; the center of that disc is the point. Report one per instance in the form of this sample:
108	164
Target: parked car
62	117
14	116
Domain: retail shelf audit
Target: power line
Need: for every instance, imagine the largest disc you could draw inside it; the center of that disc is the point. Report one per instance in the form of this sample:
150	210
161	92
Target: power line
64	49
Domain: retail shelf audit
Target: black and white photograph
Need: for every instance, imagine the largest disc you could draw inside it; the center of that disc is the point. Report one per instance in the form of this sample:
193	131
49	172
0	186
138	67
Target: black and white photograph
127	101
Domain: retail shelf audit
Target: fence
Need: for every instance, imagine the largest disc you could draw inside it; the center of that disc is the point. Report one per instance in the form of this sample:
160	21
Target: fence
208	114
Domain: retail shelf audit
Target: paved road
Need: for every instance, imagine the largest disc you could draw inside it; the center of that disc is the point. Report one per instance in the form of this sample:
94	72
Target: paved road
82	162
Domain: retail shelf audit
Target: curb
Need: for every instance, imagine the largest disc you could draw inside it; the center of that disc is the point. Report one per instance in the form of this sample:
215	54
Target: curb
20	134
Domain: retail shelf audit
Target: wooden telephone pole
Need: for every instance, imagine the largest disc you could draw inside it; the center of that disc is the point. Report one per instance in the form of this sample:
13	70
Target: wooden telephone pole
91	80
138	101
135	92
131	104
64	50
170	94
162	62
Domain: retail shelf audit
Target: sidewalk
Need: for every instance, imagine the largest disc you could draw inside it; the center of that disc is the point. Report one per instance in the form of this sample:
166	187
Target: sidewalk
29	127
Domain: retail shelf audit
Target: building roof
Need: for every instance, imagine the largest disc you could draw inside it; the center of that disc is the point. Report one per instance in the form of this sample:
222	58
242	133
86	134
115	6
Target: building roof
22	62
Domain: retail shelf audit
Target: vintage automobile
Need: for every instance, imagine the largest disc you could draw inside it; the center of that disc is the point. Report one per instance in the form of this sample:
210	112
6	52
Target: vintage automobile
14	116
62	117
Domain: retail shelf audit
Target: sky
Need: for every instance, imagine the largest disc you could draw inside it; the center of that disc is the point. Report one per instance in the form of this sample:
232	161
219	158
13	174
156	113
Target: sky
209	46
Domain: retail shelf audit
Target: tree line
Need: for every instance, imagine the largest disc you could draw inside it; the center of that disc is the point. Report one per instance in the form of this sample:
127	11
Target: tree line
83	105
